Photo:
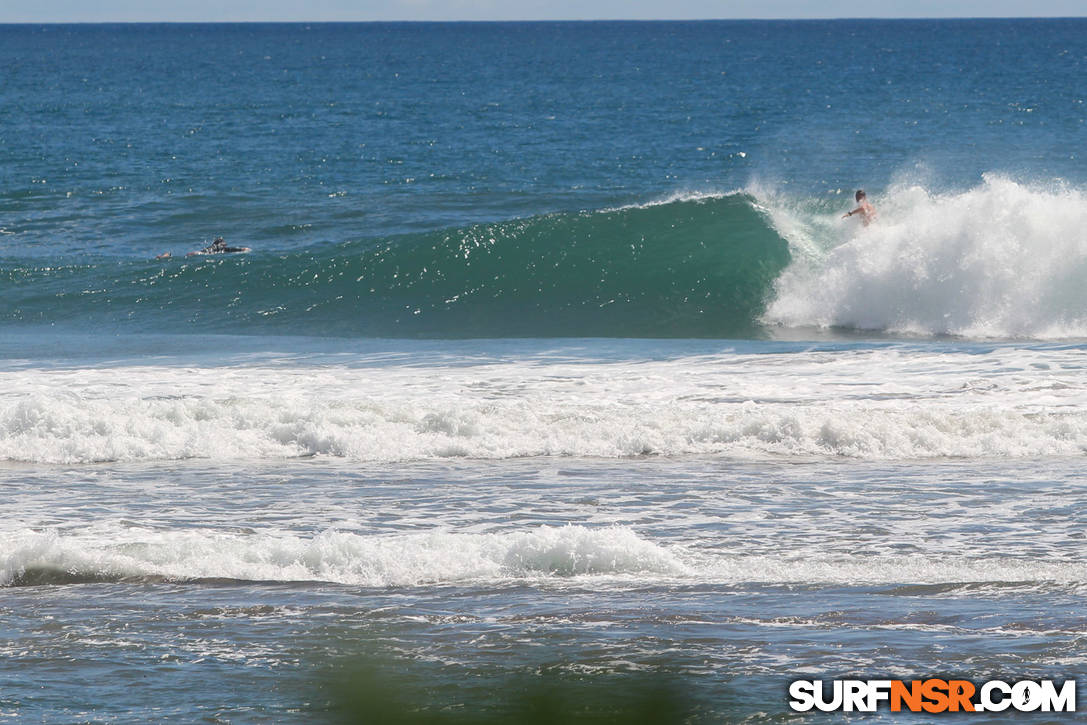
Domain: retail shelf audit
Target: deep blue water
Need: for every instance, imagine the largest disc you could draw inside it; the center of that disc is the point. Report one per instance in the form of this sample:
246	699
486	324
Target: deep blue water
286	136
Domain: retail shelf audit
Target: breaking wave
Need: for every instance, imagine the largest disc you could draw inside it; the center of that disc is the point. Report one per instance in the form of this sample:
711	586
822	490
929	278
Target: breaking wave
1001	260
540	555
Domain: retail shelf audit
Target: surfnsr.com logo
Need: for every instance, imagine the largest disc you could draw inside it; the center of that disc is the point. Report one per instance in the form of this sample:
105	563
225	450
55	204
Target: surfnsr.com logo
932	695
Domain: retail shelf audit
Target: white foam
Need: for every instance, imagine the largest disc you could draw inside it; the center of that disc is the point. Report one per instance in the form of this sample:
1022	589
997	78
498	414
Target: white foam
876	403
613	554
1002	260
341	557
882	570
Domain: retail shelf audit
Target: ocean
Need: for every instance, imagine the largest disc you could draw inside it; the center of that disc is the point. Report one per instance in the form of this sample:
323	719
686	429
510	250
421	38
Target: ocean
554	367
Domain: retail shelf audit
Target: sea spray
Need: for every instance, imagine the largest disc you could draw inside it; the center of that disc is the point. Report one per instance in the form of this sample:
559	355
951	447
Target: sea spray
1003	259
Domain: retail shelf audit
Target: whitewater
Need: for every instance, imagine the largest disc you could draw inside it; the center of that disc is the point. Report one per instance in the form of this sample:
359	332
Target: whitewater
896	401
1001	260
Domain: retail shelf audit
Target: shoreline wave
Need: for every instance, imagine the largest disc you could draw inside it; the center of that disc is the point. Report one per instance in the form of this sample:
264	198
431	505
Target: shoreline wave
541	555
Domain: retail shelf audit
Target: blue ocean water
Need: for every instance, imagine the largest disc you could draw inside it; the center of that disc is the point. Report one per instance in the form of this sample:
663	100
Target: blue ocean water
553	355
439	180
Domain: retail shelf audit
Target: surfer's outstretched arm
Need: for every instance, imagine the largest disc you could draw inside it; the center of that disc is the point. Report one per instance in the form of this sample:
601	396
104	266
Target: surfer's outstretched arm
866	210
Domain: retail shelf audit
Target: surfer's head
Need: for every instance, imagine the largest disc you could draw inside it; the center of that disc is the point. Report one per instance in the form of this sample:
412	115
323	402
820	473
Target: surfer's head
860	194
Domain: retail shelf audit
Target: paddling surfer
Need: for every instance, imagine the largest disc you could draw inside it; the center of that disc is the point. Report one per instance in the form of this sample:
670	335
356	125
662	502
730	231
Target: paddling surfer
219	247
216	247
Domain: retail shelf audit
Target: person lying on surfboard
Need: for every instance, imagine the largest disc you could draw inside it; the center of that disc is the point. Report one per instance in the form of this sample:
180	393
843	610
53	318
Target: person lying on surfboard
866	210
218	247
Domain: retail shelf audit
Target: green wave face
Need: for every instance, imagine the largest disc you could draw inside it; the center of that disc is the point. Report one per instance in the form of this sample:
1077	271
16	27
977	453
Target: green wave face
692	268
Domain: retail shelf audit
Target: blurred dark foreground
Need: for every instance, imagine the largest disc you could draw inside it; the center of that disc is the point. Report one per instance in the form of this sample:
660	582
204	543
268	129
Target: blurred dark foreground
388	693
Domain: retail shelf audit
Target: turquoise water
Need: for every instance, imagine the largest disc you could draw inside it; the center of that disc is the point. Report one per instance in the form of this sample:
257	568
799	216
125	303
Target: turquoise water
552	356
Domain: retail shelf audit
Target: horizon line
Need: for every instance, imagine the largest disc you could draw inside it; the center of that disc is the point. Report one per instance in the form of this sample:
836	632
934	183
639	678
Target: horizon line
538	20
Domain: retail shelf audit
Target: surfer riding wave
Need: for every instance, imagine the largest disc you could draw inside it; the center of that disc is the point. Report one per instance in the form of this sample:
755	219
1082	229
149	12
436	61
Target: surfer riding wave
865	209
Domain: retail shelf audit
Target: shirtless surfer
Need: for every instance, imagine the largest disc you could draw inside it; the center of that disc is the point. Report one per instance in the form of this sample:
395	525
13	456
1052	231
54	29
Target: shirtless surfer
866	210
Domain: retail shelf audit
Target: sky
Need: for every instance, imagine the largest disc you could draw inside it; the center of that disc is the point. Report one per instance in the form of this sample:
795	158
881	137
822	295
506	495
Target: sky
72	11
